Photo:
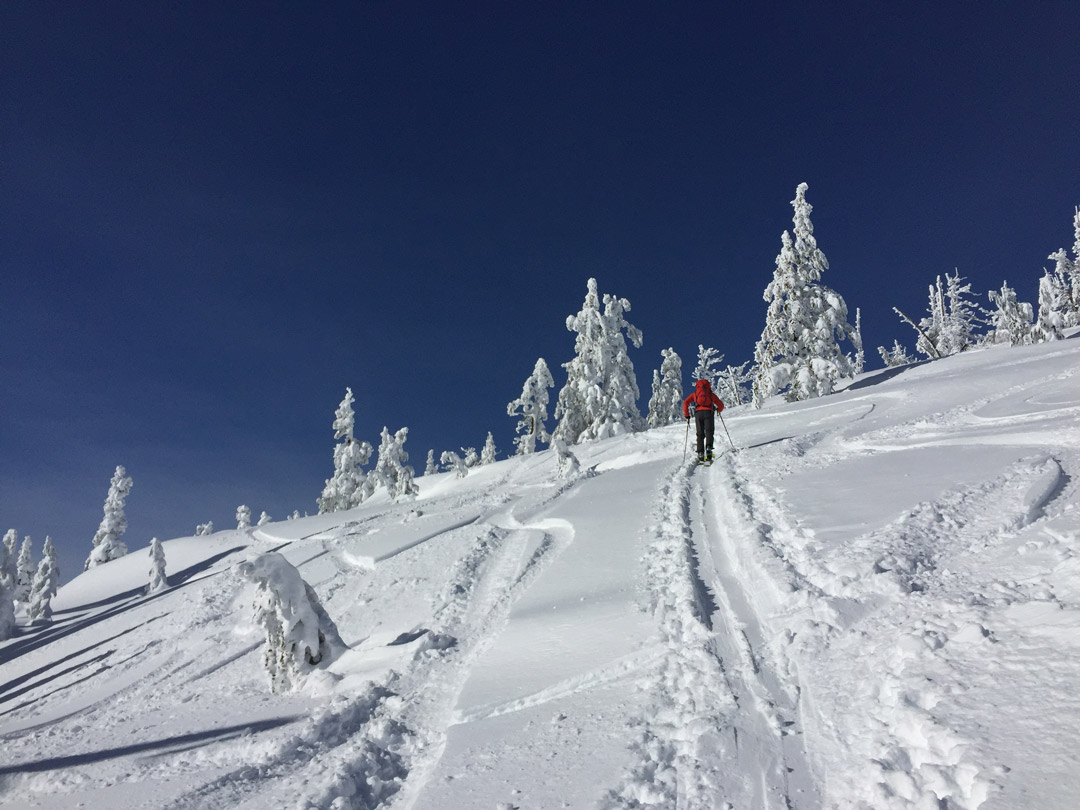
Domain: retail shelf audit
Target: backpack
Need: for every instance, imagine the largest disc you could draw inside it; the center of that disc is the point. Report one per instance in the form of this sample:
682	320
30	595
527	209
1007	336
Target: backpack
703	396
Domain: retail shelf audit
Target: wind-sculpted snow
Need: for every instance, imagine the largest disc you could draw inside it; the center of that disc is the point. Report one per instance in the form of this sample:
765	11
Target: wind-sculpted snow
873	605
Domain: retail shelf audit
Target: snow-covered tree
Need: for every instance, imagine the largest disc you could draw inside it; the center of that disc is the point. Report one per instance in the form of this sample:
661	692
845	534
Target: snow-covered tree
708	365
733	384
600	396
531	407
46	580
264	518
451	461
107	543
1051	318
243	518
858	362
204	529
665	405
799	352
24	577
431	467
9	567
896	356
349	485
567	464
1010	321
7	585
158	580
487	454
391	471
952	317
299	634
471	457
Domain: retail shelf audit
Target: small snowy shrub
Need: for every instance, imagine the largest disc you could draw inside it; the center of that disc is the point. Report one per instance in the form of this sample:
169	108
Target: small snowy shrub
243	518
299	633
158	580
264	518
451	461
204	529
896	356
567	465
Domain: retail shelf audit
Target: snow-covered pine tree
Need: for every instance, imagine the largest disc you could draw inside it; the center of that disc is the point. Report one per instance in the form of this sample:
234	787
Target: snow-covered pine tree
951	320
391	471
451	461
430	468
799	353
1010	321
243	518
7	587
531	407
349	485
733	383
665	405
487	454
46	580
158	580
858	362
9	566
24	577
299	634
600	396
708	365
471	457
264	518
1050	321
107	543
204	529
896	356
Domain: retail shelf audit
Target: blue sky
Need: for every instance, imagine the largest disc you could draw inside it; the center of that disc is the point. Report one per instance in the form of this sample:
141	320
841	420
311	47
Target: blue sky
217	216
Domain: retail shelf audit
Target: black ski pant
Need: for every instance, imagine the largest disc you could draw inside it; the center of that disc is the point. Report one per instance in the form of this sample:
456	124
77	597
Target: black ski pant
705	423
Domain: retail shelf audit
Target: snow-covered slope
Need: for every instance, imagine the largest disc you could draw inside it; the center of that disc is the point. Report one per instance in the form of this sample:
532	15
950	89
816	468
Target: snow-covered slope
875	603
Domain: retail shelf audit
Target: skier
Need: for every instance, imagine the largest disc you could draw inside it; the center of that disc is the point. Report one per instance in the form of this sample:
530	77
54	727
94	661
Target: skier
704	403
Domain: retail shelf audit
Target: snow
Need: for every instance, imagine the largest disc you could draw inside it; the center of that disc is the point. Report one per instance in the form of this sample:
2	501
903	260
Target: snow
874	603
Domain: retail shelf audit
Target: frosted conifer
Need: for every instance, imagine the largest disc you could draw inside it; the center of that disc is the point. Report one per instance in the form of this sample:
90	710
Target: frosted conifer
391	471
9	567
349	485
798	353
1050	321
24	577
453	462
430	468
487	454
531	407
204	529
7	586
107	543
471	457
858	362
264	518
896	356
665	405
46	580
567	464
708	361
158	579
243	518
299	634
1010	321
600	396
732	385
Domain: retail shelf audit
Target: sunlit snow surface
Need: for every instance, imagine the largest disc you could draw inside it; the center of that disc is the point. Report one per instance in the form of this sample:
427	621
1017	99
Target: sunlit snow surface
875	603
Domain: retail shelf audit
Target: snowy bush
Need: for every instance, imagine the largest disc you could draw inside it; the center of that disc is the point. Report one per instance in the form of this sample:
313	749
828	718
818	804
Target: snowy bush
531	407
158	579
46	580
1051	319
567	464
107	543
487	453
952	318
452	461
601	392
896	356
391	471
799	353
665	405
264	518
430	468
204	529
243	518
299	634
349	485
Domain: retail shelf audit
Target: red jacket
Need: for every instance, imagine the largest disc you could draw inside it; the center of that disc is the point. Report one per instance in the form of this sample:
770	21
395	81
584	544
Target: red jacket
703	399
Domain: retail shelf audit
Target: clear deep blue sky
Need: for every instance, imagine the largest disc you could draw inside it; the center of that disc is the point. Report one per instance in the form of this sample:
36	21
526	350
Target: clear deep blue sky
215	217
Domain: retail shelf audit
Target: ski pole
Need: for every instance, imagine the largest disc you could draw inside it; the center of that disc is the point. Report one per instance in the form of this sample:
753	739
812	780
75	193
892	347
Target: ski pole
686	440
722	422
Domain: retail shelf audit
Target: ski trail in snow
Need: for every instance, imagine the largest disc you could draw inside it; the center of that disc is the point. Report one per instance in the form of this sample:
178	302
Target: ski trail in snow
686	729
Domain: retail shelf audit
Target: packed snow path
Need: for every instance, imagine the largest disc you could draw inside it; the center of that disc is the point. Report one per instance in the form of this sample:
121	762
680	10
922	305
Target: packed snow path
874	604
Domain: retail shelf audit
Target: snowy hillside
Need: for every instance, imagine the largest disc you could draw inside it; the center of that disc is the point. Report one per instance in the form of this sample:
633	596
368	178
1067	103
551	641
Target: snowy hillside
874	604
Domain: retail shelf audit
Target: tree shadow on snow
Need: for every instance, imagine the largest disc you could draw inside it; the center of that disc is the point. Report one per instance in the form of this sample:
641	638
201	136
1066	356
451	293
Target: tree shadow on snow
884	375
180	742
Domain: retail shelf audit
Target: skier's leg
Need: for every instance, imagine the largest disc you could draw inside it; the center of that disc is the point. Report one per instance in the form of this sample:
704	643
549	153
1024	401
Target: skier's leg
710	426
699	423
